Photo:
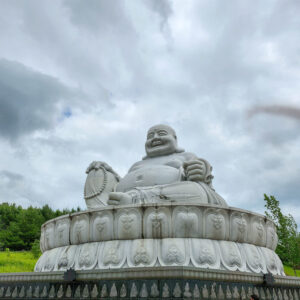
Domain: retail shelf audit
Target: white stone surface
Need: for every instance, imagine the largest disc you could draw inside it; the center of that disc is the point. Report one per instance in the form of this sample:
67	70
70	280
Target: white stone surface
101	226
62	229
80	228
152	221
205	254
140	253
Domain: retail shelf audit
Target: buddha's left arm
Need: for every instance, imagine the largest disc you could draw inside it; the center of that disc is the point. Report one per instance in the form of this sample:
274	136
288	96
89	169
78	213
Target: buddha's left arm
194	168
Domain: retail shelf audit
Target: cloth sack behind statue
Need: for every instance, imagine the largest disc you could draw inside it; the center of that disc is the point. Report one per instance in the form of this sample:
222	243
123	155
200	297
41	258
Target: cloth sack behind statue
99	183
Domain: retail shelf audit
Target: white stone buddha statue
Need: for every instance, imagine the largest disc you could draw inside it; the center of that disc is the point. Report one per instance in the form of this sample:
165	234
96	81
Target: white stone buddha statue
166	174
197	231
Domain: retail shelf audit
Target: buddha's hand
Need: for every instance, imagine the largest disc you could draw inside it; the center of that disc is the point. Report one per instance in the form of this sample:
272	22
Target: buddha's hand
95	165
117	198
194	170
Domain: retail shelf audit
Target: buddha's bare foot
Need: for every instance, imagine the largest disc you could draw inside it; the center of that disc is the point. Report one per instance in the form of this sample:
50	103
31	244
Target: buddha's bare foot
117	198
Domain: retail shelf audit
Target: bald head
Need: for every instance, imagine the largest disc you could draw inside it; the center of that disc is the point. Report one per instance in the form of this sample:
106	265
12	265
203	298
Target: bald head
163	127
161	140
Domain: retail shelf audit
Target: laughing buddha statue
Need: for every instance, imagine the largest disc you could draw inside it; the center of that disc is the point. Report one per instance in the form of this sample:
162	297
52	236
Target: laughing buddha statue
166	174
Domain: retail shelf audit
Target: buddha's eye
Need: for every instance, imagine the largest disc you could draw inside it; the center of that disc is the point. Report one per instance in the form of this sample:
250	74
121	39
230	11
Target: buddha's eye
150	135
162	132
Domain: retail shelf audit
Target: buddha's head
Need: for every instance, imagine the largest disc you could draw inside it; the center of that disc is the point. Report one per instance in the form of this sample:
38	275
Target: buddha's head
161	140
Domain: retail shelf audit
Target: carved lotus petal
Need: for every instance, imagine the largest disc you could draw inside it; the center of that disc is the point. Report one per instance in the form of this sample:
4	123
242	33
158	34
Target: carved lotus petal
128	224
231	256
142	253
204	253
80	229
186	222
157	223
255	260
101	226
87	256
173	252
112	254
238	227
50	259
66	259
62	230
49	236
271	260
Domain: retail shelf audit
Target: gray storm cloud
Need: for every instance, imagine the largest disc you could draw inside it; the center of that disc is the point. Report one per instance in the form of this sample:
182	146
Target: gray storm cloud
27	99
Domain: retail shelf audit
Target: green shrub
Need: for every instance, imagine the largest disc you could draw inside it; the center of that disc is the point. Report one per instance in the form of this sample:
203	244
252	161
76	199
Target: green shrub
35	249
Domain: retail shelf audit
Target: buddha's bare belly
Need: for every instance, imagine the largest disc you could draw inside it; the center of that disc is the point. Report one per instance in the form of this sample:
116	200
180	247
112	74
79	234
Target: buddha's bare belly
149	176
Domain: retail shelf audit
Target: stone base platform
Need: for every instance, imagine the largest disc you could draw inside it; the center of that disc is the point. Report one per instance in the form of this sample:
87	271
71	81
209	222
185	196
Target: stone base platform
148	283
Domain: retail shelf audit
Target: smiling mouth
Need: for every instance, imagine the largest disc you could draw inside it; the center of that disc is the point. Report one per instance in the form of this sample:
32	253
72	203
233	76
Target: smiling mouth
156	143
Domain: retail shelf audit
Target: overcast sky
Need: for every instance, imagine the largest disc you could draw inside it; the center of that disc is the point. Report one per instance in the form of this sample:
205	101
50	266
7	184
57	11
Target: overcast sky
84	80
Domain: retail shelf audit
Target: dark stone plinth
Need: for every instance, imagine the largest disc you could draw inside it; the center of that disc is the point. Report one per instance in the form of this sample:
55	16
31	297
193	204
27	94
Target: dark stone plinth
148	283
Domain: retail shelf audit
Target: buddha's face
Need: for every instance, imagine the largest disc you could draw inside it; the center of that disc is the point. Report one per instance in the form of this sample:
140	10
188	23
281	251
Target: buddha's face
161	140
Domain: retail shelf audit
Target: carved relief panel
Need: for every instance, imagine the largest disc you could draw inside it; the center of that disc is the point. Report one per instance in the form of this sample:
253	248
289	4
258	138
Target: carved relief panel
216	224
173	252
142	252
271	260
254	258
49	236
101	226
238	227
187	222
157	223
258	231
112	254
87	256
79	229
128	224
50	259
62	230
272	238
66	259
204	253
231	256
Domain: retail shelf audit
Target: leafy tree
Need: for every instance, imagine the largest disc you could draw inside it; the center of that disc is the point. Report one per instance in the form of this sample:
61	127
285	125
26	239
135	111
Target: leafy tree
8	230
20	227
288	248
8	213
30	221
47	212
11	237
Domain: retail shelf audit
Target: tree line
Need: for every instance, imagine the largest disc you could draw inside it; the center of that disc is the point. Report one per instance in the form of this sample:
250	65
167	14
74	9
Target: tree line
20	227
288	247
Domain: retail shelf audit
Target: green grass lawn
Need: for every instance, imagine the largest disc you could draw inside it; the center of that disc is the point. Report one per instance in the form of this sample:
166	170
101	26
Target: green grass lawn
290	272
22	261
